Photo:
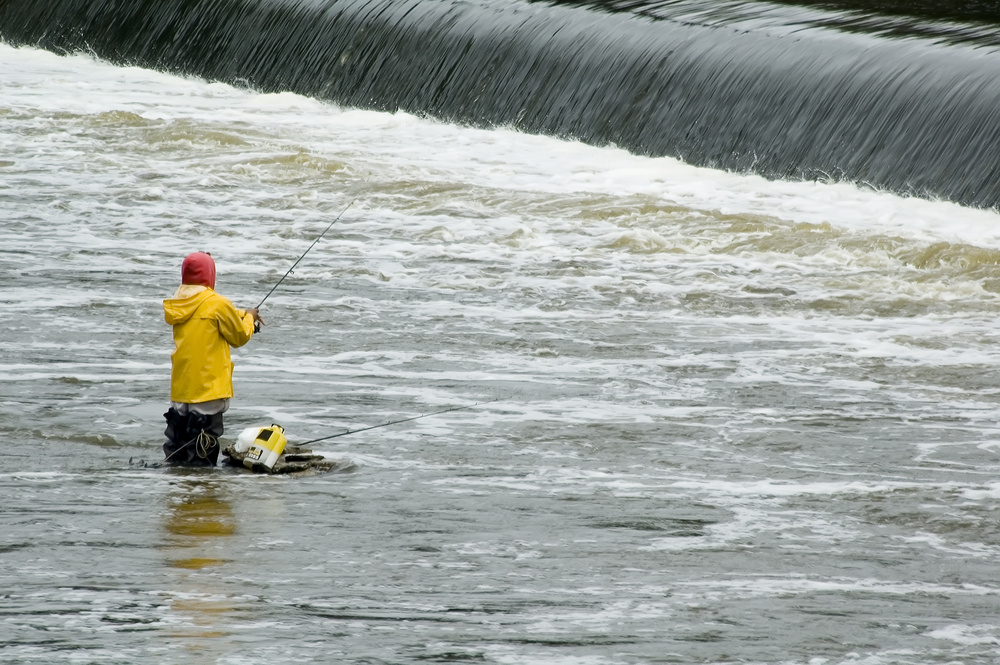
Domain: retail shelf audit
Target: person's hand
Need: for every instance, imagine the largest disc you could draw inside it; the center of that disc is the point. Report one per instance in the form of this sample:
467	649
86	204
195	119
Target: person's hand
256	317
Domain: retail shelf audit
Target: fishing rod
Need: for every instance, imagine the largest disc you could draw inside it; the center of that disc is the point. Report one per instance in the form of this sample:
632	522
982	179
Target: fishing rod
305	252
396	422
203	444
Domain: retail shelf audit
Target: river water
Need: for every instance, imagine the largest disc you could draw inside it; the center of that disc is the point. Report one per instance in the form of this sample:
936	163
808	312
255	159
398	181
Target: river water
737	420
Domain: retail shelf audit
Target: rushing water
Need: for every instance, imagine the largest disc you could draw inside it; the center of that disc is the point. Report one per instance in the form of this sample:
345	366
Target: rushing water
741	420
905	104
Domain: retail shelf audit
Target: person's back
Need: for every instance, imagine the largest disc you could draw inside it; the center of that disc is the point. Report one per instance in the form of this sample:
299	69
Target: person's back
205	325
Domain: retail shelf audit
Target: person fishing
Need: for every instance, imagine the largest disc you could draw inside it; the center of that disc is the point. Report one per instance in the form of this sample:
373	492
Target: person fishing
205	325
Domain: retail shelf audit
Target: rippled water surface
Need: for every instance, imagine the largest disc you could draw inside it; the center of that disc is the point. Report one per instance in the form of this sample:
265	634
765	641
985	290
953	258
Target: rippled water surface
739	421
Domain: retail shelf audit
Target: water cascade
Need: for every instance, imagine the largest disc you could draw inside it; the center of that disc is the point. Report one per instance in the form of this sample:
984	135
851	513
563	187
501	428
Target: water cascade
782	91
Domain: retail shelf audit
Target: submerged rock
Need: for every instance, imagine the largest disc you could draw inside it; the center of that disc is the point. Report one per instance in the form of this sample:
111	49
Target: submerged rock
293	460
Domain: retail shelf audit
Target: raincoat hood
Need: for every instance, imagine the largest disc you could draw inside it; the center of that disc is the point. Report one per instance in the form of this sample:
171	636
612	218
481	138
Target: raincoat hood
198	268
183	305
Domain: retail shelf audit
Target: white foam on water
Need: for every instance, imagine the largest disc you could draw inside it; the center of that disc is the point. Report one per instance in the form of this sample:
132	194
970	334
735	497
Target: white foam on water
507	656
967	634
41	82
964	549
988	491
40	476
770	489
650	325
771	586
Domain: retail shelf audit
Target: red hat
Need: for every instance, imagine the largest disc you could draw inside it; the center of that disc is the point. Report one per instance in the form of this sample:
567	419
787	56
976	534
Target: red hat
198	268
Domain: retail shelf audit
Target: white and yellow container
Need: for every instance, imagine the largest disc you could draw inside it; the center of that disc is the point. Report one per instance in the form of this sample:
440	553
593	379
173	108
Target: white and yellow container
263	445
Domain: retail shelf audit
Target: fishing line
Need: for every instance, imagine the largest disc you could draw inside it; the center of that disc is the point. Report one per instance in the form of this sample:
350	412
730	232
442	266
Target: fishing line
306	252
360	429
203	443
394	422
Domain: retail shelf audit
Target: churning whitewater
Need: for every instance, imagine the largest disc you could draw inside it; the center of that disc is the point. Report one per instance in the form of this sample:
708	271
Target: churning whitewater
739	420
780	90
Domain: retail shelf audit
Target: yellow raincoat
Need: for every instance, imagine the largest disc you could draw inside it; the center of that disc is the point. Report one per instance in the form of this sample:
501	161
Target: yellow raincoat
205	326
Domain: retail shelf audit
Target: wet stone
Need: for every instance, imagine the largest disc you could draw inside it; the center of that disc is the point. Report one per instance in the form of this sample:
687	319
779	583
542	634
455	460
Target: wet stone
294	459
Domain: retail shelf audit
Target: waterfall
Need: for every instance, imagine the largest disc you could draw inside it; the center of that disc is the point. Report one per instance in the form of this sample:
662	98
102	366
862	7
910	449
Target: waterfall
784	92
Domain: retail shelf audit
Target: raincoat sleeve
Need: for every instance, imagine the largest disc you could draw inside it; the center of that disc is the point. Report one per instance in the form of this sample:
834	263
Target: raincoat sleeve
235	325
